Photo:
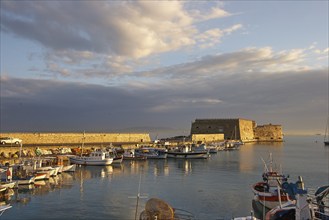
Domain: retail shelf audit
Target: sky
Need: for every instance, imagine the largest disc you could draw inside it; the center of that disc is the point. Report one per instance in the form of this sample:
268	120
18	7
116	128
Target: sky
156	66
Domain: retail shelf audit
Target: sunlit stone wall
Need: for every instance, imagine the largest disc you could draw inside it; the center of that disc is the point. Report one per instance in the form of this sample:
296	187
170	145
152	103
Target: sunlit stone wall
207	137
269	133
240	129
52	138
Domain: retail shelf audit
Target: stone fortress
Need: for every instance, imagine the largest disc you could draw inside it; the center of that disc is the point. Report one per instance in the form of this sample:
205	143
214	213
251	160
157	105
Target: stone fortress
208	130
205	130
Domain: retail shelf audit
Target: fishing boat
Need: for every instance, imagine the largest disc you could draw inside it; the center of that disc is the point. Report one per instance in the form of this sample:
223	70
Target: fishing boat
151	153
268	192
129	154
117	159
187	152
24	180
301	208
6	178
64	160
95	158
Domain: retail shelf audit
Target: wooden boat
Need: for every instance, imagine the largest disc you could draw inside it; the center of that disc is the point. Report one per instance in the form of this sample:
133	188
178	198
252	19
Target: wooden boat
95	158
65	162
40	176
6	178
151	153
295	210
185	152
269	197
130	155
8	185
117	159
69	168
24	180
268	192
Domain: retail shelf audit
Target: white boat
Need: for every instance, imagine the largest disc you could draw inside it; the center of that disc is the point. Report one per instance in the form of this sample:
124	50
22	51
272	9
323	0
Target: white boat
186	152
40	176
51	170
117	159
268	192
8	185
65	162
304	207
151	153
129	154
69	168
95	158
25	180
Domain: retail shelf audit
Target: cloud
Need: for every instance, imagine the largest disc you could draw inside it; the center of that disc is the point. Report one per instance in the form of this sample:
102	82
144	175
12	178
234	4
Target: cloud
284	98
132	29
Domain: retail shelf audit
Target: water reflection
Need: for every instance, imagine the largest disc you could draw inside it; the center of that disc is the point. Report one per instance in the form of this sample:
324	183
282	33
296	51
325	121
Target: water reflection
23	193
185	166
218	186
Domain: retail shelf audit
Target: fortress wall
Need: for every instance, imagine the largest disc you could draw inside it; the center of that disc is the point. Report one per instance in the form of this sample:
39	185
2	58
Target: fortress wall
246	129
241	129
268	133
207	137
51	138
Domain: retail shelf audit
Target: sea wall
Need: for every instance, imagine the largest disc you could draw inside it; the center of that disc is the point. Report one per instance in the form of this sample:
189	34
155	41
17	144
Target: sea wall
67	138
207	137
268	133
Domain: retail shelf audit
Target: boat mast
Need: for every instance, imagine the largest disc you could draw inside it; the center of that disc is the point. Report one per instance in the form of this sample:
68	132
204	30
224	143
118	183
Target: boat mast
326	131
83	143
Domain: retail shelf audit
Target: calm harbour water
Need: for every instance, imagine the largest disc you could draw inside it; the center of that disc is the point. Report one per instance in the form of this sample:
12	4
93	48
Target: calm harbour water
216	188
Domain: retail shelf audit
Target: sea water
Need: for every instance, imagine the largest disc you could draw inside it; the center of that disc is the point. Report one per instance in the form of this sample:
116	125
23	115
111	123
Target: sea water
214	188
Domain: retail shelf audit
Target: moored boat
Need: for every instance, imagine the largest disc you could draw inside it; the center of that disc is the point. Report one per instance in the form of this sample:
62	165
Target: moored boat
186	152
95	158
151	153
129	154
64	160
24	180
268	192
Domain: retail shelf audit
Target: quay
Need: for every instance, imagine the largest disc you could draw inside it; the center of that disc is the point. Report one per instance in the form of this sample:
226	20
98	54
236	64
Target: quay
57	141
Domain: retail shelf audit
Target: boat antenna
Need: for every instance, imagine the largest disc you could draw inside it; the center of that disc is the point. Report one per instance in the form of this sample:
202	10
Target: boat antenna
265	166
139	196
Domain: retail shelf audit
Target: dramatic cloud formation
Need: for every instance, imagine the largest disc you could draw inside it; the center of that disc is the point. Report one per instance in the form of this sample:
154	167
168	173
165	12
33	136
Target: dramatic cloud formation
155	66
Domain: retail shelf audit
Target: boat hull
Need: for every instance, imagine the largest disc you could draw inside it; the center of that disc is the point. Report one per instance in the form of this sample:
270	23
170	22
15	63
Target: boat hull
91	162
69	168
188	155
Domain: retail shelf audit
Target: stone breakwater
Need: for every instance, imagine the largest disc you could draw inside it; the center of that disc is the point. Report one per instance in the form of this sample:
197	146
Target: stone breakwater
56	143
71	138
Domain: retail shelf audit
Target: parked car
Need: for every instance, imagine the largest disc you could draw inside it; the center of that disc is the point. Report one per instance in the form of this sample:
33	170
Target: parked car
9	140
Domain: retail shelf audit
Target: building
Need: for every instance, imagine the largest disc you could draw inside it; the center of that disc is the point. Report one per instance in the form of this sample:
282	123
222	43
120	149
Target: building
234	129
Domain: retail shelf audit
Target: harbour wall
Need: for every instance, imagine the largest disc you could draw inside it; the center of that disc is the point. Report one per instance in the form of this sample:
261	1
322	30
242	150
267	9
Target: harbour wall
207	137
70	138
268	132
